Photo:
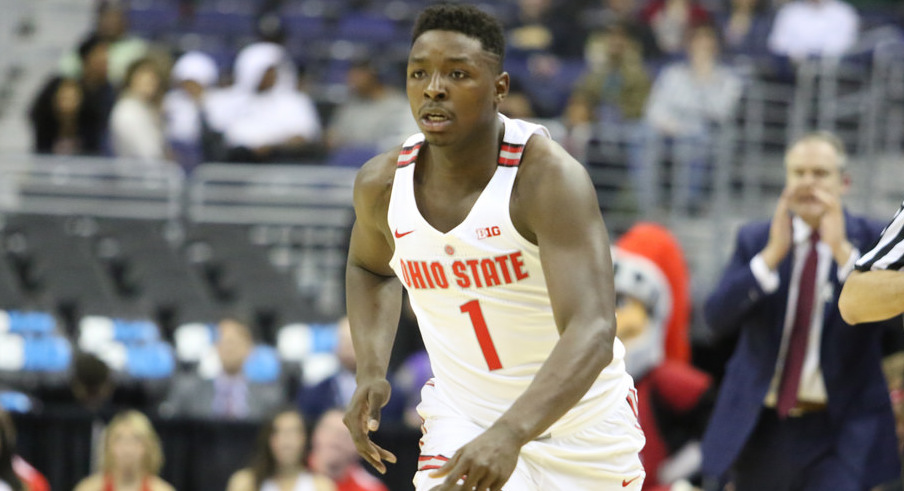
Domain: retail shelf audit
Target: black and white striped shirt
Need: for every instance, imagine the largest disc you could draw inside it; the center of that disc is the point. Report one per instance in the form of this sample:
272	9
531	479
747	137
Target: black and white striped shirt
888	251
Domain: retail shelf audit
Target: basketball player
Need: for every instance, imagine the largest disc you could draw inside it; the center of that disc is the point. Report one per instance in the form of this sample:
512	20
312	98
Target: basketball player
496	233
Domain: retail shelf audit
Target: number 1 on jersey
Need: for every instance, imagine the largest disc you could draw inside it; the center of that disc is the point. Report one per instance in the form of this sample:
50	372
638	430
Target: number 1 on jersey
472	308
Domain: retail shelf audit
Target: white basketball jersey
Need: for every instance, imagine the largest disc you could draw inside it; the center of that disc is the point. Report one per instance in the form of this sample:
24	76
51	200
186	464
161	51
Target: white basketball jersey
480	295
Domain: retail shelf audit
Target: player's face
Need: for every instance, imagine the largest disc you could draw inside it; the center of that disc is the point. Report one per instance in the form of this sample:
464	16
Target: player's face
454	86
812	168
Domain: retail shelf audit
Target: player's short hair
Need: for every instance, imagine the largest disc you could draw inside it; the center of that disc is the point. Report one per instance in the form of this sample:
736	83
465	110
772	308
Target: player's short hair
826	137
466	19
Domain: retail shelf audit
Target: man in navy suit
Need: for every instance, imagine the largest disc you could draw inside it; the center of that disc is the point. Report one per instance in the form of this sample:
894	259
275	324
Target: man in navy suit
803	405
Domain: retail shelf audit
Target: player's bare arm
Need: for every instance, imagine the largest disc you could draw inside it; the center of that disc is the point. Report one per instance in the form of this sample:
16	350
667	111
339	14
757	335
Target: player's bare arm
554	205
374	299
872	296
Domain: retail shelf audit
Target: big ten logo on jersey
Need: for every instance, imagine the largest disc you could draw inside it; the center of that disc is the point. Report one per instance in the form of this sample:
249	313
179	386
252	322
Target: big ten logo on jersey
485	233
465	273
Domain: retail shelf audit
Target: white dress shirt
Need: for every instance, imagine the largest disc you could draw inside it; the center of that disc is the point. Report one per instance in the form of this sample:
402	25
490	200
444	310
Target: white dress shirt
812	386
814	28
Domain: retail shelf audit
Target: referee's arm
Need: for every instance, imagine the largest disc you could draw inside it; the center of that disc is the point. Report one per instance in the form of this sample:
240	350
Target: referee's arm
875	291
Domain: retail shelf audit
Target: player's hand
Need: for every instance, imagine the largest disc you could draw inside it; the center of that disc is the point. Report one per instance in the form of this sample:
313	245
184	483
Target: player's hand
831	226
363	417
780	236
485	463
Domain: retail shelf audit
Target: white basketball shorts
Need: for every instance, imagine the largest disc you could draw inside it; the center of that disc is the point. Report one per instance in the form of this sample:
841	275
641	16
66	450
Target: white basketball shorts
598	457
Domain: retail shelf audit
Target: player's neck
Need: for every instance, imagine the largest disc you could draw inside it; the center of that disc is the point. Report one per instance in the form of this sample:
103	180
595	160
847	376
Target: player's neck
475	156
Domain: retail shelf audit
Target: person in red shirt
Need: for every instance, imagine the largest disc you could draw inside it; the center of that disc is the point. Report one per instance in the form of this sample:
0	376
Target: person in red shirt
333	454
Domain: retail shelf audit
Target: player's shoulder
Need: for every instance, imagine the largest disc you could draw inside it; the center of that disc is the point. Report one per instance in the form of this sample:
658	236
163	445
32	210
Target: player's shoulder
546	163
374	179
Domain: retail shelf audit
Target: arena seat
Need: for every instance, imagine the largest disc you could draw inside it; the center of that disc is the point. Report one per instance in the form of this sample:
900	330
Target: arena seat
27	323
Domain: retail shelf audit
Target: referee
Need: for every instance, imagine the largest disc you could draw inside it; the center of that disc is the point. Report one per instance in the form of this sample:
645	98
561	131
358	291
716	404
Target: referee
875	290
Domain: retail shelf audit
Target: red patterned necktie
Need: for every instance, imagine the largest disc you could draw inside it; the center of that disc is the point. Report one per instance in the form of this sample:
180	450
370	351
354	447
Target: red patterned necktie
800	333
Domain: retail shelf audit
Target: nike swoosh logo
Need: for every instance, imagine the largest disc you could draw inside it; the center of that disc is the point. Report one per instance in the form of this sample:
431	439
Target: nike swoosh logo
625	483
400	235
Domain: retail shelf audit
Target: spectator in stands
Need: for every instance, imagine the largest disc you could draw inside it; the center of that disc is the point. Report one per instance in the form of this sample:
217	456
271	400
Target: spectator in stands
373	118
605	13
56	125
745	28
407	382
111	27
72	118
279	459
537	29
687	99
616	84
517	103
333	454
261	118
15	473
671	21
90	394
230	395
337	389
805	28
132	457
187	130
136	123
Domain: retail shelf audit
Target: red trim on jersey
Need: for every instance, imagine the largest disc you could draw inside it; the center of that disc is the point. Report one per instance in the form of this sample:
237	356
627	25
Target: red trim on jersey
431	457
510	154
408	155
429	467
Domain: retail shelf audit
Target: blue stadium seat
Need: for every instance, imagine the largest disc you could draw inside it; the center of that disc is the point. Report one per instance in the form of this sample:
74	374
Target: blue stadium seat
27	322
223	23
150	361
15	402
152	18
369	28
262	365
47	354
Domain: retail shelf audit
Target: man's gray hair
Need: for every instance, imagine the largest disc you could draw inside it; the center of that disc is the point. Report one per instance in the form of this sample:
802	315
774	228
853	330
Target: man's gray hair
827	137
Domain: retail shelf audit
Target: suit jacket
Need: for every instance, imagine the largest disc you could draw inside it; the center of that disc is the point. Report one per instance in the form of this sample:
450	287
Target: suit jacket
192	396
850	357
313	401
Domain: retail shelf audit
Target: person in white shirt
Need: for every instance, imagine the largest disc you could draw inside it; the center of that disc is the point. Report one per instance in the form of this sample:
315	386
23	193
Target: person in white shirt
687	100
136	123
261	117
820	28
183	106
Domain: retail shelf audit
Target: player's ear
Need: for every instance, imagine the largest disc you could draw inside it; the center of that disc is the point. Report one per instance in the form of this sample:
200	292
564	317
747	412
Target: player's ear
501	86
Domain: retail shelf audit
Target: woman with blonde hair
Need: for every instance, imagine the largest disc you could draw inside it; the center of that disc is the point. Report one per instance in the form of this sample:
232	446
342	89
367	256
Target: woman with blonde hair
279	460
132	457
